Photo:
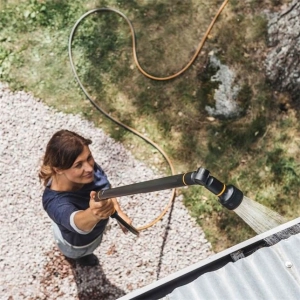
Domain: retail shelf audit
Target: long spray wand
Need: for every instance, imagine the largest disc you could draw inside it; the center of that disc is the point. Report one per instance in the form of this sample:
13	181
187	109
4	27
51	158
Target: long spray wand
229	195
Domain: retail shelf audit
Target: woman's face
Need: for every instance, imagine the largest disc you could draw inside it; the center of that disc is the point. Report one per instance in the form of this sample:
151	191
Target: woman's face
82	170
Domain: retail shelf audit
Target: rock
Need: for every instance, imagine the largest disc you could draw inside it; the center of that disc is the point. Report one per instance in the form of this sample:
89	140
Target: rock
283	60
226	94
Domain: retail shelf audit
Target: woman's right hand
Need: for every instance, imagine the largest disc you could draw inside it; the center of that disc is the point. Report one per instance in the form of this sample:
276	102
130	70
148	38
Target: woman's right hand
101	209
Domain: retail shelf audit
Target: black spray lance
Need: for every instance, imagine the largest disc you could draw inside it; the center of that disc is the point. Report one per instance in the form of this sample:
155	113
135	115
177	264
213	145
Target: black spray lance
229	196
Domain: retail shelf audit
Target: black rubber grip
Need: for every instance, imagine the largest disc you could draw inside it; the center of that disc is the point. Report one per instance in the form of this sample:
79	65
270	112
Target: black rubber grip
133	230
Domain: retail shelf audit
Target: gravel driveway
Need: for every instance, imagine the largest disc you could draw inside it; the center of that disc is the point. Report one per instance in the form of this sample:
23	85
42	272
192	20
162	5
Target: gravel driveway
31	266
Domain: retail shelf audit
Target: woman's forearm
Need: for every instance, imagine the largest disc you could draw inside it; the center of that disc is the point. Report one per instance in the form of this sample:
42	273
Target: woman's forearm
85	220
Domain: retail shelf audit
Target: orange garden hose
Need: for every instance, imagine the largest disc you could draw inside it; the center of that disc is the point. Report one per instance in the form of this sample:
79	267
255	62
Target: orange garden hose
147	75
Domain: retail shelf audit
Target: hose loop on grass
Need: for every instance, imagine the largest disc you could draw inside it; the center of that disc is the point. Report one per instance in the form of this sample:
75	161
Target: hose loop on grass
73	31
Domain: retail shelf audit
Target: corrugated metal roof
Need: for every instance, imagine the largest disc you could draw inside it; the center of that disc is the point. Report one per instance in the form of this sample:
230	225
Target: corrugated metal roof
269	273
263	272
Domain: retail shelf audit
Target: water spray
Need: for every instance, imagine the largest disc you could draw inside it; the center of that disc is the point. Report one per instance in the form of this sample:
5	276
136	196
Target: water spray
229	195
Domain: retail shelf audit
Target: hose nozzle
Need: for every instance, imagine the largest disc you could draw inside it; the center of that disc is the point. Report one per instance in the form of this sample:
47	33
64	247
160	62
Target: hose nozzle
231	198
229	195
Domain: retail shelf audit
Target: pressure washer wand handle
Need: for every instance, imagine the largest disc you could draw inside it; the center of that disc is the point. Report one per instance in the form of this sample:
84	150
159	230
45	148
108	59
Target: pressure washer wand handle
229	196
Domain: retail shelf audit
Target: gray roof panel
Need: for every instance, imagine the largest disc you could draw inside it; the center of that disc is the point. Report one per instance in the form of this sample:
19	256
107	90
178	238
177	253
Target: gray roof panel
269	273
266	266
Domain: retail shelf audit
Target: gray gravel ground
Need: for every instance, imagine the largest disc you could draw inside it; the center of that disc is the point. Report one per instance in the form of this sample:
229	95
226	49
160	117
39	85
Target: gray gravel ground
31	266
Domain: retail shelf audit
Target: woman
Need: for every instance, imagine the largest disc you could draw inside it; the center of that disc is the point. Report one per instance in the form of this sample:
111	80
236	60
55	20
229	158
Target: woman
71	177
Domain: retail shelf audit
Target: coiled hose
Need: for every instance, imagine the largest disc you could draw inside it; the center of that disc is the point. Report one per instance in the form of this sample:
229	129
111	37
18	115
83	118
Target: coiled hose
73	31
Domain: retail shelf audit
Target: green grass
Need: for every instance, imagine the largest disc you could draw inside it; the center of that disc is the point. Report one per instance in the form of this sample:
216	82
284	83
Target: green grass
256	151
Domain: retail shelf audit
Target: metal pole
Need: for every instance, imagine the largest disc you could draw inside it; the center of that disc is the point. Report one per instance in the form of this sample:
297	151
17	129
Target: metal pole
147	186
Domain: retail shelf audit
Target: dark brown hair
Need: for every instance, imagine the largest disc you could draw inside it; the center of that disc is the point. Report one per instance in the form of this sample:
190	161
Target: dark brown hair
61	152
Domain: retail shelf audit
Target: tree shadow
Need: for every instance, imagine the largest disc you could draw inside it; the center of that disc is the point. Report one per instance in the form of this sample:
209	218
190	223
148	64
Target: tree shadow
91	282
